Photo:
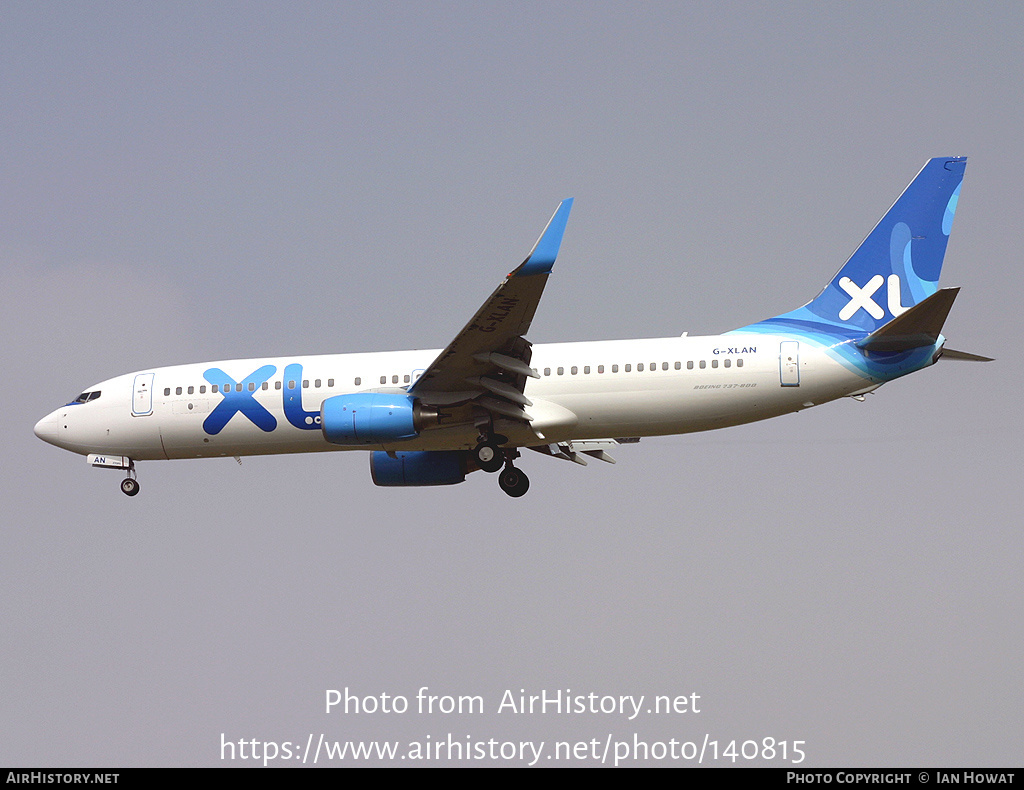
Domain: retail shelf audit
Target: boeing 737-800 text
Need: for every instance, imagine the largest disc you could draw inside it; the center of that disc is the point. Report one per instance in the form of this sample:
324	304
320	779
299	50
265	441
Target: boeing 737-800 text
431	417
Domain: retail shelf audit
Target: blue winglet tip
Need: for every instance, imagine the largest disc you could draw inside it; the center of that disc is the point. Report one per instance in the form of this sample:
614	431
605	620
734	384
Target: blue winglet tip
542	258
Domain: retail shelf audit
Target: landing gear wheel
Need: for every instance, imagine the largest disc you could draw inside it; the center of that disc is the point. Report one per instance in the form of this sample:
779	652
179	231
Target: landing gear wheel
488	456
130	486
513	481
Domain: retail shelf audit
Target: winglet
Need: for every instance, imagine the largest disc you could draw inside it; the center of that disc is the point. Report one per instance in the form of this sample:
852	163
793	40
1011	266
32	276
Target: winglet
542	256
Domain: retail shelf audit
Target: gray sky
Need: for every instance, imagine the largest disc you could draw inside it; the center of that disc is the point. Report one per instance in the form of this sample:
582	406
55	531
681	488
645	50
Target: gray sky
185	182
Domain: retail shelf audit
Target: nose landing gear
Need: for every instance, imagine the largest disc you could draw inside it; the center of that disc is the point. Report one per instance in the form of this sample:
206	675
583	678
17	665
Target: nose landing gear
130	486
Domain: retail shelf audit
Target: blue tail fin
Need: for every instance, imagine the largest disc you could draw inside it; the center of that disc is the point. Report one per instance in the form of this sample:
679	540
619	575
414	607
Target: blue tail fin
896	267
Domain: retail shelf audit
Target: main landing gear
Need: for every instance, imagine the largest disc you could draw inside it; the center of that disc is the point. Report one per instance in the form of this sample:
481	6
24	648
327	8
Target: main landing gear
490	456
513	481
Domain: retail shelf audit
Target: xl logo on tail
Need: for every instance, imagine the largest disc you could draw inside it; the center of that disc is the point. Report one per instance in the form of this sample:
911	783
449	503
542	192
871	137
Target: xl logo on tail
861	297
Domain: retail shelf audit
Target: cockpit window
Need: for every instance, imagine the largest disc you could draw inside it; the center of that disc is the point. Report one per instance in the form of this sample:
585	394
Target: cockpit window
85	397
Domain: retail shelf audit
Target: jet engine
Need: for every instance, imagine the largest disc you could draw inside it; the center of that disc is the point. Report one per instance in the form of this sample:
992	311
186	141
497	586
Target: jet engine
419	468
364	418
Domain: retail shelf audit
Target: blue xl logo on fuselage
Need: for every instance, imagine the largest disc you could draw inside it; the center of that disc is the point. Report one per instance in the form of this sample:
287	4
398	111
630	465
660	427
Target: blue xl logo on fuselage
239	398
293	411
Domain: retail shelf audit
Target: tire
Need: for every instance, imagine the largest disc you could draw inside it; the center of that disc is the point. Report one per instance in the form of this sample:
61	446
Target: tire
488	456
129	486
514	482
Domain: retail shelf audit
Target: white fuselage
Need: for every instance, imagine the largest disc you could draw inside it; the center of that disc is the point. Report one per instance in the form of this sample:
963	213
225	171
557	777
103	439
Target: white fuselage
431	417
586	390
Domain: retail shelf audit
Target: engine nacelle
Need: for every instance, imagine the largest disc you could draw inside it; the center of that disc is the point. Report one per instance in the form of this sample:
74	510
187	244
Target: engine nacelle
419	468
364	418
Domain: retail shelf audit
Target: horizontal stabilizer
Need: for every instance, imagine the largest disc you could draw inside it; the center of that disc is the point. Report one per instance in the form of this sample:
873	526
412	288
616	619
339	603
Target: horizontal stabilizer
918	326
963	356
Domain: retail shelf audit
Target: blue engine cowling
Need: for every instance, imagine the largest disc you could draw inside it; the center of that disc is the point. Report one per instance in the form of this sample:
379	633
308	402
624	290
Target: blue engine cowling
419	468
364	418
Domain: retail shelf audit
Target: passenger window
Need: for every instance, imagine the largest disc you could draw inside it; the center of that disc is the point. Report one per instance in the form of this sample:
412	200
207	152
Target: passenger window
679	365
586	370
252	386
383	379
664	366
640	368
202	390
265	386
714	363
739	363
317	383
628	368
177	390
615	368
703	364
727	363
600	368
291	384
277	385
561	371
359	380
238	388
394	379
574	370
330	382
213	389
305	384
191	390
689	364
167	391
547	371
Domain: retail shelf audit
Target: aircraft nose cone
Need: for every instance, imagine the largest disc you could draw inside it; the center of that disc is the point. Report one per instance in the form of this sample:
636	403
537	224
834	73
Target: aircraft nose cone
46	429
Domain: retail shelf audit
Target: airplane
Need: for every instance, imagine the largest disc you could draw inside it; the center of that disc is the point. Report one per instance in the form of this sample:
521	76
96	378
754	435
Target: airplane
430	417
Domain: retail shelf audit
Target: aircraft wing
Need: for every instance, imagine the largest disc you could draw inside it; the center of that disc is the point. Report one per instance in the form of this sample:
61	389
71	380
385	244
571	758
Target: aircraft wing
488	361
